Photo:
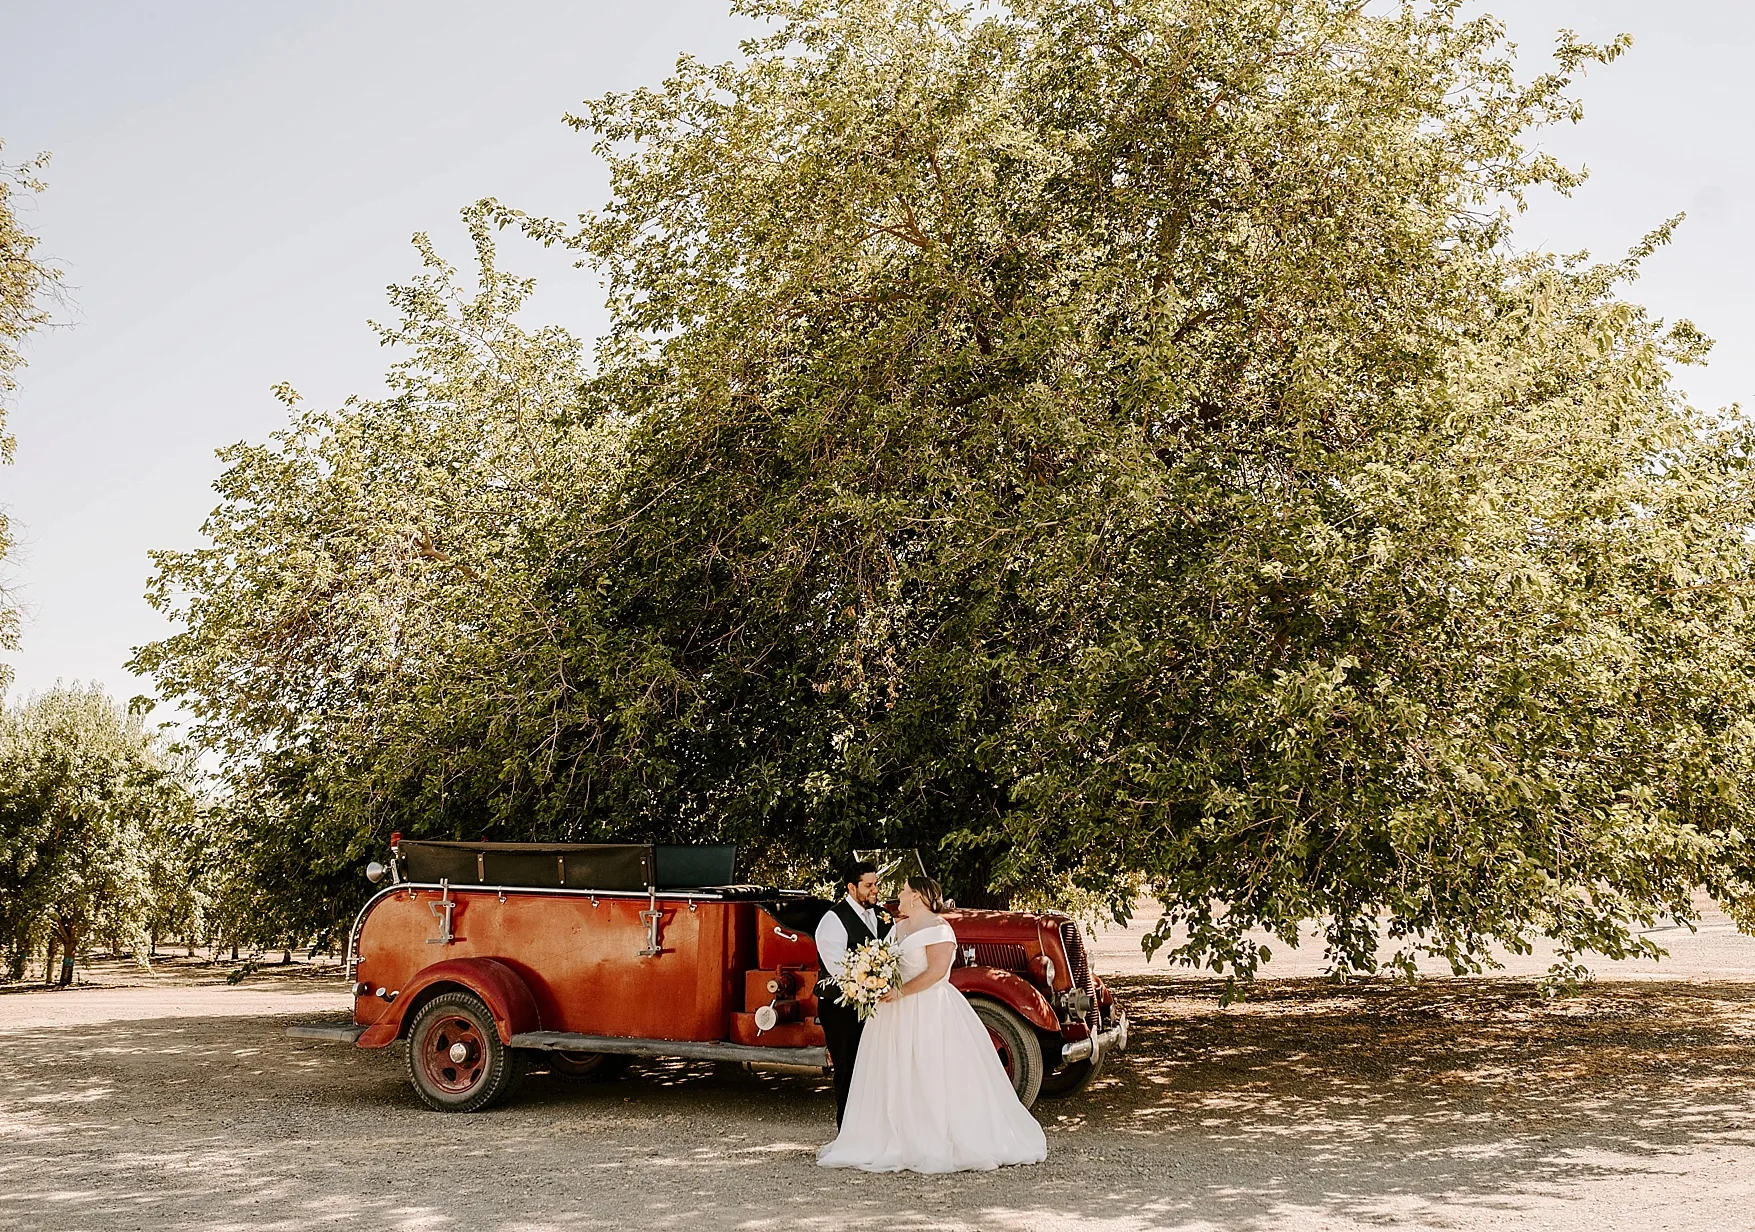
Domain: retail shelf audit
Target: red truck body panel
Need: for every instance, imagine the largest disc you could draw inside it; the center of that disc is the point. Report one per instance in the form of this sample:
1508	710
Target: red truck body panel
579	956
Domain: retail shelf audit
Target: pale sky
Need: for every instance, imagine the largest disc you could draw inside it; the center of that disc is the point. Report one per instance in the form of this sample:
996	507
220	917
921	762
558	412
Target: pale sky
234	185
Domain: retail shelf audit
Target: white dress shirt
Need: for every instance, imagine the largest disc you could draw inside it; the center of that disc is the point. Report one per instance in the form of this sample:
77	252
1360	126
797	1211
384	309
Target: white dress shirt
831	937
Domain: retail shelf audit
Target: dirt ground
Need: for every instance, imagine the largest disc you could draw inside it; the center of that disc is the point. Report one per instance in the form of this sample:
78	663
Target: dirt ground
175	1102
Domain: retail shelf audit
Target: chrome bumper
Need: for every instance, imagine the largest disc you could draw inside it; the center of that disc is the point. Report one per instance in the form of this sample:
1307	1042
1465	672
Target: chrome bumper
1100	1044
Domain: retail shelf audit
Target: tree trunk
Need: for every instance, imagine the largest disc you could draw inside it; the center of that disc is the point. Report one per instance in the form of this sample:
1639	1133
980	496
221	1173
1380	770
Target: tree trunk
234	951
286	958
70	939
152	944
49	962
977	889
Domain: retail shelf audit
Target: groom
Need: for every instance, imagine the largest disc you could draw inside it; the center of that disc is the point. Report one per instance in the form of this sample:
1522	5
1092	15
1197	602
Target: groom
848	923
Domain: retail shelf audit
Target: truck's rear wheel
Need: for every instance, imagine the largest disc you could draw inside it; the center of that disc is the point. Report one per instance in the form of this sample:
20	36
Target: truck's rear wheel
1015	1042
455	1058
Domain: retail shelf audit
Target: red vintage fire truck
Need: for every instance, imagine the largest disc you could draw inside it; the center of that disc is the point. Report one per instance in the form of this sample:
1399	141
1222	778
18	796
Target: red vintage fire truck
485	959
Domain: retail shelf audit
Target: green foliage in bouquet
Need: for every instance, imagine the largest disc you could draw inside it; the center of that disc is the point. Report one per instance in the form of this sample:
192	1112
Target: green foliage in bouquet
1111	444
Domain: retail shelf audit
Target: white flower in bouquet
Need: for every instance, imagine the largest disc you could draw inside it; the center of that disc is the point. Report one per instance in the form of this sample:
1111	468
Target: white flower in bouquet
872	969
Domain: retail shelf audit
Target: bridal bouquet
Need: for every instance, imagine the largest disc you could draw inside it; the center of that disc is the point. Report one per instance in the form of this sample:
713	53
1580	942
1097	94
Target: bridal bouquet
872	969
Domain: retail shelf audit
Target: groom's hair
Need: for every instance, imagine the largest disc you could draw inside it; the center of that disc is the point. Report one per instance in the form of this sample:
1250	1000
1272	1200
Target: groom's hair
853	870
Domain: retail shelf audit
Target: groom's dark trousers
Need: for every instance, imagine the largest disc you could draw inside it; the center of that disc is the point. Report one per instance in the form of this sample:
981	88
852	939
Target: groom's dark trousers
842	1028
840	1023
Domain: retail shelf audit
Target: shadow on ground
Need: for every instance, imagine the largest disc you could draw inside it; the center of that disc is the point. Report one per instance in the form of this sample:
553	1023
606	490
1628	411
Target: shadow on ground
1472	1104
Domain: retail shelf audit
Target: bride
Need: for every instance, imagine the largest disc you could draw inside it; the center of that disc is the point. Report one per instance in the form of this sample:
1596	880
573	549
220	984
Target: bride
929	1093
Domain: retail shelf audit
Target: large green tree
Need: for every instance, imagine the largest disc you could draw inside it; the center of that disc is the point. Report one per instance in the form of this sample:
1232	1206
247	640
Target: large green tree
1104	444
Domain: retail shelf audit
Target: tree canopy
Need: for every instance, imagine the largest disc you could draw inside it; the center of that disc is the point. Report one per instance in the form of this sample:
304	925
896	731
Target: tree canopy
1108	446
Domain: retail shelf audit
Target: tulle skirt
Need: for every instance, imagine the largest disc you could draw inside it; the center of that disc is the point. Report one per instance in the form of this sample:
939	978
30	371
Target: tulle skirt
929	1094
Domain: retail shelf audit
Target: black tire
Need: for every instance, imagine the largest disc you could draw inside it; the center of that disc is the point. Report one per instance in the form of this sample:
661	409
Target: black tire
454	1056
590	1066
1015	1041
1072	1077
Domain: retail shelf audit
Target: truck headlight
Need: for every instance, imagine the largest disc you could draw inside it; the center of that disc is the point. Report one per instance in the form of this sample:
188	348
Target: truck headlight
1042	968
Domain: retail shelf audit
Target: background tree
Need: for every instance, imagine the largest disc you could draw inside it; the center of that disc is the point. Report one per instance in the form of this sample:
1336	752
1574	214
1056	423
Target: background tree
85	789
182	861
24	283
1101	444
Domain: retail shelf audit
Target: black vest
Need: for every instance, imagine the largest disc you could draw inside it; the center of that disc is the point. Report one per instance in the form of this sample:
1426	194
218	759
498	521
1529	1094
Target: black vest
857	933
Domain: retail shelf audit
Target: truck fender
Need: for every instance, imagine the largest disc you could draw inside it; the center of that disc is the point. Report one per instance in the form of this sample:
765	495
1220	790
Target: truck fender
1009	990
507	997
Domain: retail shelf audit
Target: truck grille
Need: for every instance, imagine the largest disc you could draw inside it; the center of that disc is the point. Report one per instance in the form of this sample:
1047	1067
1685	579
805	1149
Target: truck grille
1081	971
1005	956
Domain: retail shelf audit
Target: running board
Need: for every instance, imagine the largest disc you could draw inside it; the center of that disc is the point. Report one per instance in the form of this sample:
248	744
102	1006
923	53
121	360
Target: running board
349	1034
688	1050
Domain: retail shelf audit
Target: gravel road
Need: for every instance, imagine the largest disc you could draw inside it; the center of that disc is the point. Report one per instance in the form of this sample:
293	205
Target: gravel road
1466	1104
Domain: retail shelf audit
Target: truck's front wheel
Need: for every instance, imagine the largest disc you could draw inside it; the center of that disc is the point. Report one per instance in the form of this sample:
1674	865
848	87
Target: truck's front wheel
1072	1077
1015	1042
455	1058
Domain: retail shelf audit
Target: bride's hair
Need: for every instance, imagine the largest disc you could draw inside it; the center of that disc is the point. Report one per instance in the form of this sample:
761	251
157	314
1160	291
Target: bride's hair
928	889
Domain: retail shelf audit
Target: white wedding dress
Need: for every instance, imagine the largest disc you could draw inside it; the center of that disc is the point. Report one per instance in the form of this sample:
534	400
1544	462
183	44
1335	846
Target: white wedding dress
929	1093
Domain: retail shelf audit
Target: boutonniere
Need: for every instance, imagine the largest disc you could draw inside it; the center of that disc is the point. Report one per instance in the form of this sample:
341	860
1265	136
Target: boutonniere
883	916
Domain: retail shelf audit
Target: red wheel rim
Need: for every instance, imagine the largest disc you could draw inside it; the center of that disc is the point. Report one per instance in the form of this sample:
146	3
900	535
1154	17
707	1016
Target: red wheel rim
453	1055
1005	1053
